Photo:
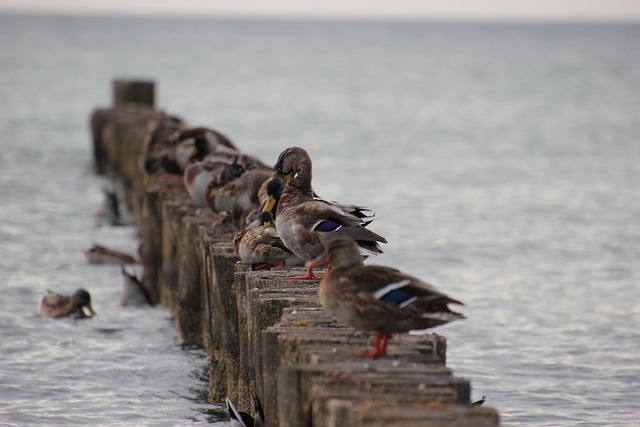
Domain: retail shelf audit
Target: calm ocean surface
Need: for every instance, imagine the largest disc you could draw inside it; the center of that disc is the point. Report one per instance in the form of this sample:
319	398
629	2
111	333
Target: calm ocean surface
503	161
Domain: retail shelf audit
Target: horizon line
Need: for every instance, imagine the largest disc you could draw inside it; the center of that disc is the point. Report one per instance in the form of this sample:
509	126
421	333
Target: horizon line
398	17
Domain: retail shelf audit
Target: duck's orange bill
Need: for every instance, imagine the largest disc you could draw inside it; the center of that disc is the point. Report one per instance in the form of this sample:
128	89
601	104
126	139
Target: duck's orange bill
271	202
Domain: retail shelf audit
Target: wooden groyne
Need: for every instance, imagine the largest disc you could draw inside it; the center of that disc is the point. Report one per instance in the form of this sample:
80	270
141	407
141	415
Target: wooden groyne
264	333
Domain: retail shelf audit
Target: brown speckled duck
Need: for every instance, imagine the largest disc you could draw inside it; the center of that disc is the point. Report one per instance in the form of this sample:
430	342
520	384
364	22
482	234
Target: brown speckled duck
259	245
305	223
201	177
56	306
192	145
238	197
378	298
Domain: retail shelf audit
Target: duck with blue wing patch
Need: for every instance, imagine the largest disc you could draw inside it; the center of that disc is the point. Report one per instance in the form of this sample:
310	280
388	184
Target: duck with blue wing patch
378	298
305	222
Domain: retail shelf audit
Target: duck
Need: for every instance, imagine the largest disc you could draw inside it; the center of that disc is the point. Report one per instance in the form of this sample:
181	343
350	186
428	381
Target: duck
271	188
215	140
238	197
187	145
98	254
305	222
242	419
160	128
133	291
55	305
259	245
378	298
198	176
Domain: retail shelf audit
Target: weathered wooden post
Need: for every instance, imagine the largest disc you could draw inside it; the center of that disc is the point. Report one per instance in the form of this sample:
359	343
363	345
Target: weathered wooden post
128	91
110	127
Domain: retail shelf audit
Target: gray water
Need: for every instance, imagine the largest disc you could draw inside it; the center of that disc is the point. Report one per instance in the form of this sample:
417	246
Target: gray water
501	159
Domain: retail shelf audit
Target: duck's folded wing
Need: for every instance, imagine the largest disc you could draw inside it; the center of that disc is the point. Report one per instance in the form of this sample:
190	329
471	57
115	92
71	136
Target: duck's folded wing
389	285
54	301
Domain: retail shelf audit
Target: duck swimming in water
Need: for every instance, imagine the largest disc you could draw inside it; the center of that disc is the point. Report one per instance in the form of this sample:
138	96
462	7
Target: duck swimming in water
55	305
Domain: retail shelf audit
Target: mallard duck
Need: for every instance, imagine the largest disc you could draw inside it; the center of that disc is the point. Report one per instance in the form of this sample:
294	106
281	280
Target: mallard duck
378	298
260	246
304	222
133	291
271	188
160	128
187	145
200	176
98	254
242	419
238	197
55	305
214	139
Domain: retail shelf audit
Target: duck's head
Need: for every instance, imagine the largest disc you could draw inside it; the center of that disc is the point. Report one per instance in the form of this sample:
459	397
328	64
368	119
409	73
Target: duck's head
151	165
290	162
81	300
233	171
266	218
339	252
275	187
201	146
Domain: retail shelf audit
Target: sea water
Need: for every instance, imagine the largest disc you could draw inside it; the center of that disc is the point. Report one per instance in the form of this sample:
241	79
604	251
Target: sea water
502	160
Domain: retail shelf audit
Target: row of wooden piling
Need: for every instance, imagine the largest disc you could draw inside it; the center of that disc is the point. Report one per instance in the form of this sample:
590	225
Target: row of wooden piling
264	333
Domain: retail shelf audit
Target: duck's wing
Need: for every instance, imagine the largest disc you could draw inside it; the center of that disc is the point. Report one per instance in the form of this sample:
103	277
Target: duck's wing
52	304
392	286
54	300
333	221
257	244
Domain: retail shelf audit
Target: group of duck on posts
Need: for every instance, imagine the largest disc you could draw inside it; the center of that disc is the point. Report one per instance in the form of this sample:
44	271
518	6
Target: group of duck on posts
283	222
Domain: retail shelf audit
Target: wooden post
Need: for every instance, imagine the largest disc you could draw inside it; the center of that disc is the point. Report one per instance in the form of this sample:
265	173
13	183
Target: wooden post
127	91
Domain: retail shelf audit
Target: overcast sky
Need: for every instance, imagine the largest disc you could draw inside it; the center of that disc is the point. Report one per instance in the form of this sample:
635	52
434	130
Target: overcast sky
474	9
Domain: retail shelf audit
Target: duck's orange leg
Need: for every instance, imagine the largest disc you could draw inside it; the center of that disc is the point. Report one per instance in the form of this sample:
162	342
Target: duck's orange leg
218	222
379	347
308	276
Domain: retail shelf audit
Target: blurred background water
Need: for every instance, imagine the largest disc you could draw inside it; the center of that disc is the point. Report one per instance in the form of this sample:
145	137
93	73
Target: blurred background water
502	161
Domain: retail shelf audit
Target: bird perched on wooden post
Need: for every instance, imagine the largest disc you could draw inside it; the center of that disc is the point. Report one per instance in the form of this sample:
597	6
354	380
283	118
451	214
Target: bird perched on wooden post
305	223
378	298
